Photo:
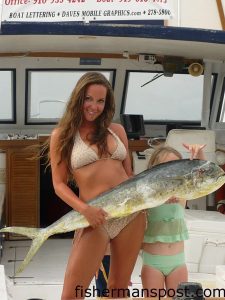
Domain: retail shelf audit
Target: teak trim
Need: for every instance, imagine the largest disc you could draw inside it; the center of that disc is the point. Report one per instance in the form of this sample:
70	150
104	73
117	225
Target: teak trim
221	13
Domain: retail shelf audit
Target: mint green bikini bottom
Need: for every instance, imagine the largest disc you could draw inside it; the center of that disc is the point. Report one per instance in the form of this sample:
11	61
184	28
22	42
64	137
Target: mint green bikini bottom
164	263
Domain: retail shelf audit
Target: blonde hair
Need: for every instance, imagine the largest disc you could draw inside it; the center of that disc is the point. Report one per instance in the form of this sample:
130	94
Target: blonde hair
161	152
73	117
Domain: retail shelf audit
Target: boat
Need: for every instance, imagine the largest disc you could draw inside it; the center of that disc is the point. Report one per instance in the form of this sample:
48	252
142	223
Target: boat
170	76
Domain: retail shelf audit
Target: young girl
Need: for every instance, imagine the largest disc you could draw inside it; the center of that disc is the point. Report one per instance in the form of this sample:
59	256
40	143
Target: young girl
163	248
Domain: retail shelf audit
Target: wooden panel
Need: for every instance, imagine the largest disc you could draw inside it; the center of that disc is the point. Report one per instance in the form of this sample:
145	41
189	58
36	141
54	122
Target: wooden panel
221	10
23	188
9	144
138	145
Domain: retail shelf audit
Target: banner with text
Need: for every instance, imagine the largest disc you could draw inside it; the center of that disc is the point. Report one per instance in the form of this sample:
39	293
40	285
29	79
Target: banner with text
85	10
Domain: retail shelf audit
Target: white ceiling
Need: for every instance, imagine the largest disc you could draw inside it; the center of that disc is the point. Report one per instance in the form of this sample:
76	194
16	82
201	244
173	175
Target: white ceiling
26	44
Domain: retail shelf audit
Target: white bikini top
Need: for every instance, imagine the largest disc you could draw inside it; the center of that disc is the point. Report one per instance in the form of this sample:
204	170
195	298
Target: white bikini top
82	154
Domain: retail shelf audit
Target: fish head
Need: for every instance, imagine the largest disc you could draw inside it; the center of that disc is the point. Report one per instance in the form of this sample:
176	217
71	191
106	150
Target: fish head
206	178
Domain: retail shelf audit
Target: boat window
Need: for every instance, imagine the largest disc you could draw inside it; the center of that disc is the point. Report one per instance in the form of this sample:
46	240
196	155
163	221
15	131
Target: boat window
47	92
221	110
7	96
161	99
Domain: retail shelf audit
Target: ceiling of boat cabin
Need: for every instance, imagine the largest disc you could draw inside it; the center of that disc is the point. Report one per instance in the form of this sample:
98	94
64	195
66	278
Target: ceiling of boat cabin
26	45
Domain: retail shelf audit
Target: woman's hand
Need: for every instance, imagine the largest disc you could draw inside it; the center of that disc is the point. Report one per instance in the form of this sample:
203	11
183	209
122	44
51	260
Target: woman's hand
95	216
196	151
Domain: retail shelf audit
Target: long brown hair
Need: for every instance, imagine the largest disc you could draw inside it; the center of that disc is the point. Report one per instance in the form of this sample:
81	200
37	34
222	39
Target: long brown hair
160	153
73	117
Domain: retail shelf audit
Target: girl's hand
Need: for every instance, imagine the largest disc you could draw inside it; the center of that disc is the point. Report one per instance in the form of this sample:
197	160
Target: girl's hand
95	216
172	200
196	151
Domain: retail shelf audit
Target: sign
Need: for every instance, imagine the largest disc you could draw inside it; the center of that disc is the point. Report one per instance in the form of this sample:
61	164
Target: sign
85	10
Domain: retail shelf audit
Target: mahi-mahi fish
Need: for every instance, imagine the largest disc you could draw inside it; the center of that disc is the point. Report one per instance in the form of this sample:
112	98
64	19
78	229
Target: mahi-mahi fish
185	179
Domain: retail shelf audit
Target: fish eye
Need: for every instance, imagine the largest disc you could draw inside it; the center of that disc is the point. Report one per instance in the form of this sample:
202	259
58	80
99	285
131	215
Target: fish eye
201	171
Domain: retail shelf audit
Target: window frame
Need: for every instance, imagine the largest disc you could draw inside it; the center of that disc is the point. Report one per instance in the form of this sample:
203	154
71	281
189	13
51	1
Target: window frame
221	108
156	122
13	100
48	121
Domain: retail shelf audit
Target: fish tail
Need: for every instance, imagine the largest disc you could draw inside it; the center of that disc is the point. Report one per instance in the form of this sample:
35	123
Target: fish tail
38	235
41	237
29	232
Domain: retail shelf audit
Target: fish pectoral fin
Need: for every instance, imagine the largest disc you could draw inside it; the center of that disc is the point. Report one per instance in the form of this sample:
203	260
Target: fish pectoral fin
174	178
177	180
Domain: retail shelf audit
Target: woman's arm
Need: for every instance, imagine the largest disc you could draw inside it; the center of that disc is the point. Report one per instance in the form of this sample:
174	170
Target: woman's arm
60	176
120	131
94	215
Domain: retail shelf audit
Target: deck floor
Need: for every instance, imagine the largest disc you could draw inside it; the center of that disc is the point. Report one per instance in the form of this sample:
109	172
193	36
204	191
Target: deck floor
43	277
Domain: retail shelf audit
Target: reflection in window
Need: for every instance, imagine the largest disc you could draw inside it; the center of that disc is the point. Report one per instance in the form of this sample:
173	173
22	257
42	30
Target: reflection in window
47	92
7	96
164	99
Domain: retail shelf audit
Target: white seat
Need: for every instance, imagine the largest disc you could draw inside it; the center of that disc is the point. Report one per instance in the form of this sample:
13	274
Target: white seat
176	138
3	289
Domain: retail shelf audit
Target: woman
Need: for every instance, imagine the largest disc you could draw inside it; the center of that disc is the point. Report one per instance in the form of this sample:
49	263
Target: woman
163	248
94	151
